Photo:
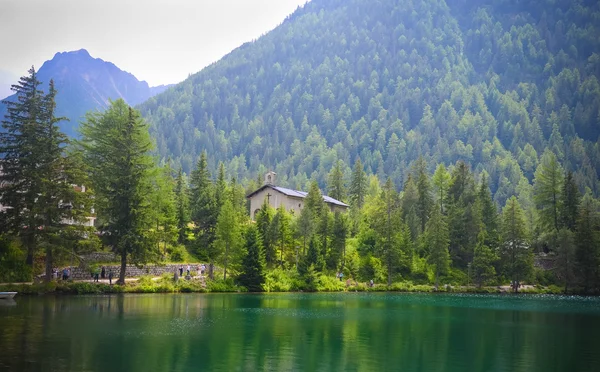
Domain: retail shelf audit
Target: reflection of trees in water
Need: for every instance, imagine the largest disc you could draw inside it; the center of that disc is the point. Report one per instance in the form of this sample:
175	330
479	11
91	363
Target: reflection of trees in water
290	332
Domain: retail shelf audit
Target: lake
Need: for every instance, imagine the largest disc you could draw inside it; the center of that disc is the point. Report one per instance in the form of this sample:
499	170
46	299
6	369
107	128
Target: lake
304	332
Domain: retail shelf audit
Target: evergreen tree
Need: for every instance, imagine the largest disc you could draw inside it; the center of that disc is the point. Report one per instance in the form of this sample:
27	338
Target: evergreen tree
117	147
324	226
182	206
441	180
314	200
204	208
164	203
305	226
339	234
263	223
547	189
410	198
425	200
515	253
489	215
220	186
436	240
280	232
565	259
20	145
312	260
358	186
587	248
484	259
335	186
253	266
228	236
569	202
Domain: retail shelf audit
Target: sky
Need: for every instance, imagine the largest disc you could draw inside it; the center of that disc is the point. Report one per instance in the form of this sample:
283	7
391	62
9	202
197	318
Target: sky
159	41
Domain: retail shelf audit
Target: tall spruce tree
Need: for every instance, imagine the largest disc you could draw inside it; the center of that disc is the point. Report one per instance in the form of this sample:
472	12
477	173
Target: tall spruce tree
569	202
204	208
339	232
335	184
117	147
515	252
436	240
280	232
547	189
263	223
587	248
358	185
425	200
37	172
489	214
228	236
484	259
565	258
253	265
182	206
441	181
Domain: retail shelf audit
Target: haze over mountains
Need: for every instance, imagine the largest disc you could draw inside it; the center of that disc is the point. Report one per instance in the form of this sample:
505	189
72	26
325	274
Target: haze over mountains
85	83
493	83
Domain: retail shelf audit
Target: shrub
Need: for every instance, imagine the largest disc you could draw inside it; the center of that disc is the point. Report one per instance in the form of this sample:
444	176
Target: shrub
220	285
279	280
329	284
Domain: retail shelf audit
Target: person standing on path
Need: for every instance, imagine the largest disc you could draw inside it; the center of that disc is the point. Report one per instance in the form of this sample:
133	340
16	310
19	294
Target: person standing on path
181	270
188	271
110	276
103	272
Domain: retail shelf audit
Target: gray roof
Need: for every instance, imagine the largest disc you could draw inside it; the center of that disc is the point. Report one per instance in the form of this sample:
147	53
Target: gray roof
300	194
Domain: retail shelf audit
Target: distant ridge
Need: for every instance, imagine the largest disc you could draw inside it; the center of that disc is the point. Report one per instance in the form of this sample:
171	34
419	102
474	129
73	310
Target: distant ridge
86	83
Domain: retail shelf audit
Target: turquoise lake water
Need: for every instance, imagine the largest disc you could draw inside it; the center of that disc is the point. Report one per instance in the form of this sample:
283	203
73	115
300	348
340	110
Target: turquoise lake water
300	332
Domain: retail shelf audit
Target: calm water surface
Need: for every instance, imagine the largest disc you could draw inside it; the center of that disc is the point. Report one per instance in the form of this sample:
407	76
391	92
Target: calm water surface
308	332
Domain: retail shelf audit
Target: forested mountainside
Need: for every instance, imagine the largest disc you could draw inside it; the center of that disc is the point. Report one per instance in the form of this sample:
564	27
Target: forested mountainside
86	84
493	83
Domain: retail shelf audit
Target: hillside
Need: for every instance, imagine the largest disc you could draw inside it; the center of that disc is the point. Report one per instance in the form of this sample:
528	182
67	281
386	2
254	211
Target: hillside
85	83
492	83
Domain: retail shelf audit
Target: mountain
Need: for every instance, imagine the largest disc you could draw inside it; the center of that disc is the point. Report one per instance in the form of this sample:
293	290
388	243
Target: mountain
6	79
493	83
85	83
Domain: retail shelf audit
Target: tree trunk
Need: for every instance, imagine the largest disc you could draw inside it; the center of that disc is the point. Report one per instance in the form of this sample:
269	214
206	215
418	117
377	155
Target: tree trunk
121	280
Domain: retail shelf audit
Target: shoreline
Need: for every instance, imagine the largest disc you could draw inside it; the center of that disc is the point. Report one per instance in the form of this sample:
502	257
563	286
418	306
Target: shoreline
141	286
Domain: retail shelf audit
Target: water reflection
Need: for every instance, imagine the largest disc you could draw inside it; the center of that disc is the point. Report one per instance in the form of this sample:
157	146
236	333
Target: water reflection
361	332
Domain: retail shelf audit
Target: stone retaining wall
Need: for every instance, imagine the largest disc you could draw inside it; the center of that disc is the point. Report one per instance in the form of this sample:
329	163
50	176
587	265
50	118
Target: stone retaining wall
79	273
91	258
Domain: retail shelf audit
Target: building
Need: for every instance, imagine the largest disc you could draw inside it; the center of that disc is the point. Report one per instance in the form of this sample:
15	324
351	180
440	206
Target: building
292	200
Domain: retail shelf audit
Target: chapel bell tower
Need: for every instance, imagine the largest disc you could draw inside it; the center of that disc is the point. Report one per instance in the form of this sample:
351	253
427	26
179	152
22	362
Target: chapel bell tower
270	178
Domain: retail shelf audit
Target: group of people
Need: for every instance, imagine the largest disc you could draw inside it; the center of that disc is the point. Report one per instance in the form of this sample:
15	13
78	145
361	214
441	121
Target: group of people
199	269
66	273
102	274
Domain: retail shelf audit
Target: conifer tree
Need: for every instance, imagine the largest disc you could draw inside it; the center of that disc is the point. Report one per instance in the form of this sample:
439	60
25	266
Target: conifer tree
441	180
565	260
484	259
305	226
314	200
280	232
20	145
263	224
587	248
547	189
164	204
335	185
436	240
339	233
253	266
204	208
117	147
358	185
220	186
182	206
425	200
228	236
489	215
569	202
410	198
515	252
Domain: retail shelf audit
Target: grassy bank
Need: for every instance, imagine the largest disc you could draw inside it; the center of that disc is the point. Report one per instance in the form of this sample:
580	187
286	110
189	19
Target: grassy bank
322	283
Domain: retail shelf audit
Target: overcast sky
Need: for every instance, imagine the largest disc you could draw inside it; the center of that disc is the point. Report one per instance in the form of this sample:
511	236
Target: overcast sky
157	41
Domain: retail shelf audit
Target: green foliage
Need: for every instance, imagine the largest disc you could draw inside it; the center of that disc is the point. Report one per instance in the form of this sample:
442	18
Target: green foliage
515	252
12	261
253	265
116	147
